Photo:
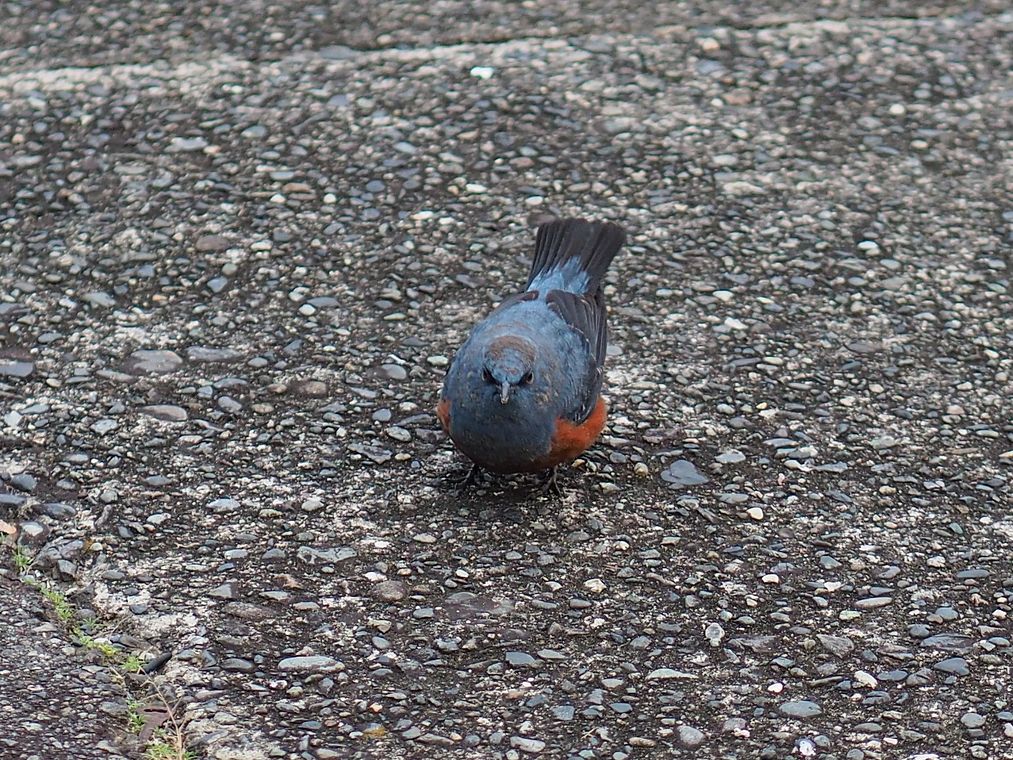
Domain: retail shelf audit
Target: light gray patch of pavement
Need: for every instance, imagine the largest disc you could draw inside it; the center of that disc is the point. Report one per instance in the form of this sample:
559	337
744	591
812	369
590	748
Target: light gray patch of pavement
794	537
123	31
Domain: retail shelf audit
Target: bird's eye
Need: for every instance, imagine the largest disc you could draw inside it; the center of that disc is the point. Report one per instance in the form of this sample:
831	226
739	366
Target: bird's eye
528	377
487	376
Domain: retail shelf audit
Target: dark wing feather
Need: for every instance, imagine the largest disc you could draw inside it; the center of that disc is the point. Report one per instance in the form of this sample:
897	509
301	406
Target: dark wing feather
586	314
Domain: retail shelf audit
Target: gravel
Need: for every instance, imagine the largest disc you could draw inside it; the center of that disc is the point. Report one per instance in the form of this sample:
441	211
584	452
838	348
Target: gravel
803	708
240	249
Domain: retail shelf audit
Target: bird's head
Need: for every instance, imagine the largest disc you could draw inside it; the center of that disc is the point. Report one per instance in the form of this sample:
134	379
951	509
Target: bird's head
509	366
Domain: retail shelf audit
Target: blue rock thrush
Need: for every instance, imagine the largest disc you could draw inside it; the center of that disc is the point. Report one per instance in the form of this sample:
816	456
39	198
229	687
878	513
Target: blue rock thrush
523	394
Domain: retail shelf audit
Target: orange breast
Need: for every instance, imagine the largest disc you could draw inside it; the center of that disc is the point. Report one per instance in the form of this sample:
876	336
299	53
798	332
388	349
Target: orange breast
570	440
443	413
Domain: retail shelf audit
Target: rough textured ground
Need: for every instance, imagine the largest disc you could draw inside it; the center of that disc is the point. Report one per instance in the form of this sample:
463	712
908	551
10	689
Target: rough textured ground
240	243
53	704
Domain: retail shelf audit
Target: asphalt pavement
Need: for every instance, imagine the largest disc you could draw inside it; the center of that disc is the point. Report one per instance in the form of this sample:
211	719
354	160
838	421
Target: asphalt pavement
239	243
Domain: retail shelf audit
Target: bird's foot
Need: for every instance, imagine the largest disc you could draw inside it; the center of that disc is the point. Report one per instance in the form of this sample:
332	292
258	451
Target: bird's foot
551	483
471	479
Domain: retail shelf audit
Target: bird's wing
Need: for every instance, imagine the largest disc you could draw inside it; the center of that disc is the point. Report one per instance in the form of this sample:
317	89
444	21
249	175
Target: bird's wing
586	315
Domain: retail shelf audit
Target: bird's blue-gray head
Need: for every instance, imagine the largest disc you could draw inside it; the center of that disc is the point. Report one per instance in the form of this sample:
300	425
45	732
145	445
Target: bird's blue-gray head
509	366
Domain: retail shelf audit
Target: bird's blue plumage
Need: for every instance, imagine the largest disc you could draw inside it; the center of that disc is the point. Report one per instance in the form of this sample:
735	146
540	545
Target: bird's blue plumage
537	358
569	277
509	436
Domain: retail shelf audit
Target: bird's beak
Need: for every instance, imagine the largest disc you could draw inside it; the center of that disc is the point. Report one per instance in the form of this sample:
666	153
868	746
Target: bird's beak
504	393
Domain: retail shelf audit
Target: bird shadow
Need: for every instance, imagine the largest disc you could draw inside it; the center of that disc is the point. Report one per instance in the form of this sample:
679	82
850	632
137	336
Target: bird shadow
513	498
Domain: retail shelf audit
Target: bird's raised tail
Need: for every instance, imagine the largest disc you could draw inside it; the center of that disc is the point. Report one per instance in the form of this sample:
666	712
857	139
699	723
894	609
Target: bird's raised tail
574	254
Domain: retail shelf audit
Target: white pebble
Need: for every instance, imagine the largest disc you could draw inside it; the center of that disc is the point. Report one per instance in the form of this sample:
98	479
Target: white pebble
866	679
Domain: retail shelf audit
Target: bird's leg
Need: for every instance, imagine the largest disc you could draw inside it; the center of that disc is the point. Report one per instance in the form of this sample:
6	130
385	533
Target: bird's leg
471	478
551	482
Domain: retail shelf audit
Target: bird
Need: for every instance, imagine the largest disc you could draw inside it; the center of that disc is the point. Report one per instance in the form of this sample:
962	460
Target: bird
523	392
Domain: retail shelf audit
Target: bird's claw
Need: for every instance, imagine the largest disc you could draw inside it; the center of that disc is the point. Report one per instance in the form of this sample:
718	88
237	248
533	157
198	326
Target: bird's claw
551	483
471	479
